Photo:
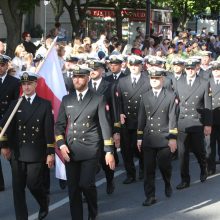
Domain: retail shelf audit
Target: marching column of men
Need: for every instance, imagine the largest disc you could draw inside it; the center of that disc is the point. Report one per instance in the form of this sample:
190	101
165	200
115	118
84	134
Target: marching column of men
157	133
103	87
82	125
152	114
194	121
129	90
29	144
9	90
215	134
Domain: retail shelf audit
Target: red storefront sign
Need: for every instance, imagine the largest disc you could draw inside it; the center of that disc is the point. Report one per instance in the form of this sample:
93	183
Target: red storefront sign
137	15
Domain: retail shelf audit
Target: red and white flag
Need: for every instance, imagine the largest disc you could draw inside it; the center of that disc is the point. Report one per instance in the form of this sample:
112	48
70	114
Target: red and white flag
51	86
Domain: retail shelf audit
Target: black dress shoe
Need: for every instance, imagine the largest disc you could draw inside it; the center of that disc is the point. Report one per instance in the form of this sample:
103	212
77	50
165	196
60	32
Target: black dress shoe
182	185
129	180
44	210
42	214
62	184
110	187
2	188
168	191
203	176
150	201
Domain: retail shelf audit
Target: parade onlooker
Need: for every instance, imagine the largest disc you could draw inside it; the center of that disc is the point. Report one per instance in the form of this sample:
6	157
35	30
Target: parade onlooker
28	62
117	48
60	32
76	44
61	53
28	45
2	48
18	60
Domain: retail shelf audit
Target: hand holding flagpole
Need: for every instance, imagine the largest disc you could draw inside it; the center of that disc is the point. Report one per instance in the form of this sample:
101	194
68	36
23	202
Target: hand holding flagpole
11	116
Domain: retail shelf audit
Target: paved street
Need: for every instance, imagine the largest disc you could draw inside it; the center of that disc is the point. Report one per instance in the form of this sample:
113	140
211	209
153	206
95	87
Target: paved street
199	202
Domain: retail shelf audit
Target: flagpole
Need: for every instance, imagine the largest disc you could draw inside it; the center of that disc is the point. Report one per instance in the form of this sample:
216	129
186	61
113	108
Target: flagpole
11	116
41	63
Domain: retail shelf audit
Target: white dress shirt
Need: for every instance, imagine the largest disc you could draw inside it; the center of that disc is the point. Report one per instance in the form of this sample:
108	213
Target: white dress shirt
31	97
97	83
192	80
137	77
83	94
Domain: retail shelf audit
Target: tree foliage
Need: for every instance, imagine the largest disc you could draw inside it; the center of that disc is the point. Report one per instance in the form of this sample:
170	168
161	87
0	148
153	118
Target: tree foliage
183	10
12	11
58	8
77	13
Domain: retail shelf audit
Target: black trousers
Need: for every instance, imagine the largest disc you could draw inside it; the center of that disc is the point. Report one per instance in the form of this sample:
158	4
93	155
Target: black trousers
2	182
129	150
46	179
214	139
193	141
81	178
109	173
153	156
30	175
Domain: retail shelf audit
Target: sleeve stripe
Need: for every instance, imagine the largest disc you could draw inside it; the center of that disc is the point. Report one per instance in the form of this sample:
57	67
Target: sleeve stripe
108	142
173	131
117	125
139	132
50	145
59	137
4	138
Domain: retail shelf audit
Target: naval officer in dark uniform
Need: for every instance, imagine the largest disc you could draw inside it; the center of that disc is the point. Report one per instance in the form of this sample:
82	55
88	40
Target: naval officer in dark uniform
130	89
9	90
69	64
102	87
177	72
83	124
157	133
29	142
215	135
194	121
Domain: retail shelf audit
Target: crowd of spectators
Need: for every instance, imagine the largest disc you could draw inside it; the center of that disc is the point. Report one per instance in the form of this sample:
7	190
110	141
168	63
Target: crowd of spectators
184	44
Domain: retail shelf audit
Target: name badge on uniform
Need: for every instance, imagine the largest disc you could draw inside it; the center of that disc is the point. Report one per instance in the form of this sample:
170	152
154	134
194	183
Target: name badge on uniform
125	93
19	110
69	106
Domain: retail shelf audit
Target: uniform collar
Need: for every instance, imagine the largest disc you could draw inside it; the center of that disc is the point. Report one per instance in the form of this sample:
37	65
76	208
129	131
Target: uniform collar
32	97
3	77
97	82
83	93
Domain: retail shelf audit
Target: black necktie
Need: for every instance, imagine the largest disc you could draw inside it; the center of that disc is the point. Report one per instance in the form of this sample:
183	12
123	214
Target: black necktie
134	82
80	97
94	85
190	82
29	100
0	81
217	82
115	77
155	95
